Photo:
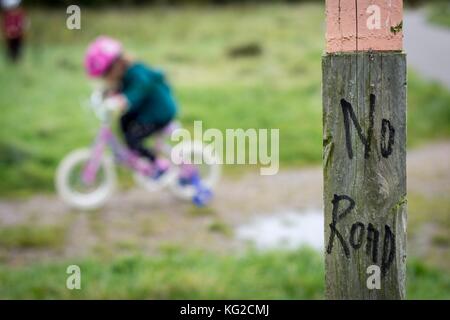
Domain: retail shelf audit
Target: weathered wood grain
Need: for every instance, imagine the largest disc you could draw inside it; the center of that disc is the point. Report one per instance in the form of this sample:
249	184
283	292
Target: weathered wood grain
372	175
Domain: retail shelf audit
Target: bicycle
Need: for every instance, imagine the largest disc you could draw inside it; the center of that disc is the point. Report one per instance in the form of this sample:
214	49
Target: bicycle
86	178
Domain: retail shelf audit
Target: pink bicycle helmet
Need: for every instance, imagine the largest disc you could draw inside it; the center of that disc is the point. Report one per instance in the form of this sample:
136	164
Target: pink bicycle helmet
101	53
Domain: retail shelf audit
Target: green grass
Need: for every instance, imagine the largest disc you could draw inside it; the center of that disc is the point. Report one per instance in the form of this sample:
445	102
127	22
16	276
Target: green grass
439	13
429	222
32	236
437	207
219	226
42	118
424	282
193	275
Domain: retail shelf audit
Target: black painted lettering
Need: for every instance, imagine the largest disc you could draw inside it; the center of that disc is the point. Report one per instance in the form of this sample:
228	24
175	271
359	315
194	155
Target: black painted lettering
373	238
336	216
349	113
386	148
388	250
357	229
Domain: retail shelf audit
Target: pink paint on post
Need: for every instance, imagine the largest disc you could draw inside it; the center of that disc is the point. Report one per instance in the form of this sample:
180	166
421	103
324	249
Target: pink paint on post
341	25
380	25
364	25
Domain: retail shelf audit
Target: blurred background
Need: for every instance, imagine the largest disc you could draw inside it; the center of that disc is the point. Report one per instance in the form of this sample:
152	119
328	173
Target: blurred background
232	64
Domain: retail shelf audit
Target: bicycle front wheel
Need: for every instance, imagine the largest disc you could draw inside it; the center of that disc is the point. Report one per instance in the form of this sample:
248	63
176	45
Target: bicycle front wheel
76	192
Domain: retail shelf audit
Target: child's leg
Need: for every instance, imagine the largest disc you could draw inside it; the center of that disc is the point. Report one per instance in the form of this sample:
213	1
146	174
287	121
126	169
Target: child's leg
135	134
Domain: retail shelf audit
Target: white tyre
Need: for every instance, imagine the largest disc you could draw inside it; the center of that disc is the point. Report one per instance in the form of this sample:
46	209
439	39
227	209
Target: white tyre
71	188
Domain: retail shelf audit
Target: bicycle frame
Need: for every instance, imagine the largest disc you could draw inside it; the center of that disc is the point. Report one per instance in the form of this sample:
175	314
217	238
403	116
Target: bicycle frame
106	138
123	155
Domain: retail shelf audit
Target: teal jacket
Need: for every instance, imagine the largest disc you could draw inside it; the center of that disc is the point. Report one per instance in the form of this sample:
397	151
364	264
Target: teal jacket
148	95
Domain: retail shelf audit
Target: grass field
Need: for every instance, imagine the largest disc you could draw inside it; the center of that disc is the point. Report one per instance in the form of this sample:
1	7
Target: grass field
276	85
279	86
273	275
439	13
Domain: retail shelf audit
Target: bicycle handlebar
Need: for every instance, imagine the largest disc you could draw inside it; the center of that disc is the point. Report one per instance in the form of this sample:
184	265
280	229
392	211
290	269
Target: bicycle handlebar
97	105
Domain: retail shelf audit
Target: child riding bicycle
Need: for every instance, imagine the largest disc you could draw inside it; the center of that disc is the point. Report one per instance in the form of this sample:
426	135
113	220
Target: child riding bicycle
139	92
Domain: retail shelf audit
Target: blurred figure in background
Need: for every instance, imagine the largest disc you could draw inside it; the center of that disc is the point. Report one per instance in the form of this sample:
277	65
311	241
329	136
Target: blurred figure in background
13	25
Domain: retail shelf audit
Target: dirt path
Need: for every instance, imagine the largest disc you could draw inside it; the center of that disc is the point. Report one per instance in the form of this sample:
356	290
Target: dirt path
135	221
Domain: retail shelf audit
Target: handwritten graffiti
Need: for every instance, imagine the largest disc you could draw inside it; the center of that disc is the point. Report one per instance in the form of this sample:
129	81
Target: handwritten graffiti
387	130
386	149
359	233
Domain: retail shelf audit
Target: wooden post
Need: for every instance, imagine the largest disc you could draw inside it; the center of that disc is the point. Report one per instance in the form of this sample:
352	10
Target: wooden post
364	150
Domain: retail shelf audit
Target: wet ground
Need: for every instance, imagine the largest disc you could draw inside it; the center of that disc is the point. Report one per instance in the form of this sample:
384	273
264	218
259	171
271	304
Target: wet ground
281	211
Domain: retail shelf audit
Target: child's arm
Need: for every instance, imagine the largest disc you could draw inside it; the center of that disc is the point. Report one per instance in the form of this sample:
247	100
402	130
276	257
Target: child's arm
132	97
116	102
